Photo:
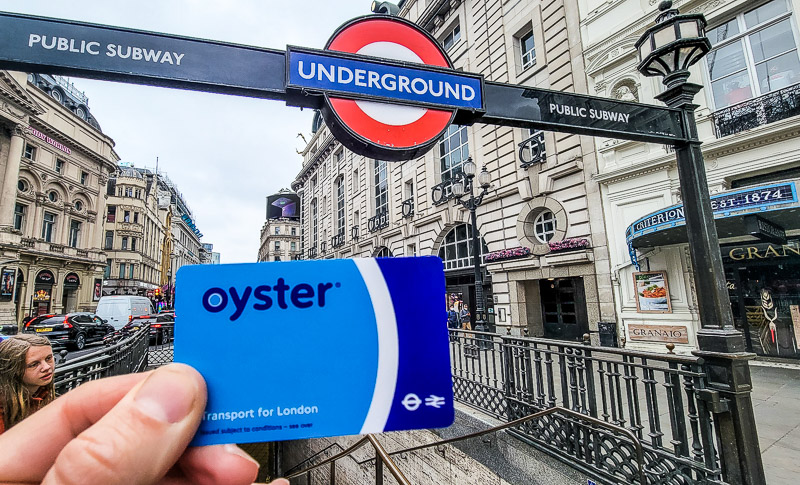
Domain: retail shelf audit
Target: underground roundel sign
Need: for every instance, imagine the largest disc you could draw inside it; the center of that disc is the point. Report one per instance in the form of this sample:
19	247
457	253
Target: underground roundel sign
390	90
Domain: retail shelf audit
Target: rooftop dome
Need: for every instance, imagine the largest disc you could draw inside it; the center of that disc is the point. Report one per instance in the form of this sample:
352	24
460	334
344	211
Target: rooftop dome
130	172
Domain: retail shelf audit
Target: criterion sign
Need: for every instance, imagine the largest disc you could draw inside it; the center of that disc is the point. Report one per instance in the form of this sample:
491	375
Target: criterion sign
321	348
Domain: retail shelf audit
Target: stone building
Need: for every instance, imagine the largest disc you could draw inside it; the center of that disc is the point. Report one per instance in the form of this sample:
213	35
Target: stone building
545	257
280	235
134	233
54	165
749	125
185	243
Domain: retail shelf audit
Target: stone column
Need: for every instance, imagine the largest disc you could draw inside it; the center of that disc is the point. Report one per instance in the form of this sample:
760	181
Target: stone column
11	176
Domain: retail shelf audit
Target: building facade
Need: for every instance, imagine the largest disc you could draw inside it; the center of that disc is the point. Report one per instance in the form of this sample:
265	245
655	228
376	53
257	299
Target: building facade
280	240
134	231
545	259
748	123
54	165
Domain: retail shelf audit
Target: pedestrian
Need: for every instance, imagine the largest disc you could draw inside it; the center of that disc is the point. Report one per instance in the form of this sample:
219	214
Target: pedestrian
453	323
26	377
465	317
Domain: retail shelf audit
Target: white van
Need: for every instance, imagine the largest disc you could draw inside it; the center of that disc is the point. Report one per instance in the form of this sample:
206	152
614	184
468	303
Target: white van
120	309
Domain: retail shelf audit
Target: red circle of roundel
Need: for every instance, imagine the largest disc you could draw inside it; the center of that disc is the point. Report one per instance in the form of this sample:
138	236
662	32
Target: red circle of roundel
351	39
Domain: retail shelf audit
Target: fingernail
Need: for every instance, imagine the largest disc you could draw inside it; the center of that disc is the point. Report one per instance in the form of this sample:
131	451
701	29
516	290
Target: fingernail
166	396
279	481
235	450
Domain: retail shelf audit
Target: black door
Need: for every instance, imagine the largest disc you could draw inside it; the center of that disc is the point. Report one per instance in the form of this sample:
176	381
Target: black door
564	309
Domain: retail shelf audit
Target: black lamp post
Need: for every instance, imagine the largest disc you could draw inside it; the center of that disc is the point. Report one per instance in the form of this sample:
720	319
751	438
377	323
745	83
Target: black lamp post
460	187
668	49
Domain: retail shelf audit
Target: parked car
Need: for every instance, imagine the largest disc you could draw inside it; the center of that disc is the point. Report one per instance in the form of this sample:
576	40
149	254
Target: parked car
120	310
162	326
73	330
8	329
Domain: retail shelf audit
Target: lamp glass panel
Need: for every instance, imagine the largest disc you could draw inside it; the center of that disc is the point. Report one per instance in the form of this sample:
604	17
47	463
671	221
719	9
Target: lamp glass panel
665	35
469	168
484	178
689	29
669	63
458	188
645	48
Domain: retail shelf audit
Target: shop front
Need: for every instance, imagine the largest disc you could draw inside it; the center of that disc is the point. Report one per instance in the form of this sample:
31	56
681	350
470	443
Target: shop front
763	282
759	232
42	292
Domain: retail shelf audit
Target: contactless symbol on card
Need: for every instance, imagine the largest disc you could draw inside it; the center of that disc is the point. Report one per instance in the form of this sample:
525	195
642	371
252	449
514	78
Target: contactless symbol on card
306	349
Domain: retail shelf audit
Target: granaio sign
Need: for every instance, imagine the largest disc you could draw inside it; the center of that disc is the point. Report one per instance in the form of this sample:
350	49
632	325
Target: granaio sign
385	87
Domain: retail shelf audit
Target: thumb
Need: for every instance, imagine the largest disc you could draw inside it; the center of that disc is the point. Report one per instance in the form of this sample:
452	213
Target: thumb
141	437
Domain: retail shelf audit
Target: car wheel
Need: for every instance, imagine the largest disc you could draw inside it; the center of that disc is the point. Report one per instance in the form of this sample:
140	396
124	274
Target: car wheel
80	342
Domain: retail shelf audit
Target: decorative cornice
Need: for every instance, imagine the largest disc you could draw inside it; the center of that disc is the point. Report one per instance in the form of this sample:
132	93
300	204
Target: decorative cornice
659	164
18	94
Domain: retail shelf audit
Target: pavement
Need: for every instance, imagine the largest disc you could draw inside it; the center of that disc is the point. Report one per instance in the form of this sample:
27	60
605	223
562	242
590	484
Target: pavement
776	403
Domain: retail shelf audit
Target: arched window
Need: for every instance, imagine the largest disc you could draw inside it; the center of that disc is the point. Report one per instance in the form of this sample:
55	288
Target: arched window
456	249
382	252
544	226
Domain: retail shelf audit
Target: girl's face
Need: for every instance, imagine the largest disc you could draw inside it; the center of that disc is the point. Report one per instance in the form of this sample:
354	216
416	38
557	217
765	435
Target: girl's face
39	367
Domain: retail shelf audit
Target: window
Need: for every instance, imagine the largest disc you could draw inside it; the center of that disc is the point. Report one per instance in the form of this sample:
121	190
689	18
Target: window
453	151
22	185
277	258
122	270
324	169
127	216
109	240
277	231
452	37
74	233
340	222
381	187
527	50
544	226
293	246
84	178
19	216
131	270
133	244
314	223
138	193
78	205
59	165
52	196
753	54
356	181
294	231
456	250
107	270
125	243
337	157
48	223
128	191
136	217
277	245
30	152
112	213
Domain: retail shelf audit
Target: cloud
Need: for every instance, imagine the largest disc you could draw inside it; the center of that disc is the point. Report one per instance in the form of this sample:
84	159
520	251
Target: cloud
225	153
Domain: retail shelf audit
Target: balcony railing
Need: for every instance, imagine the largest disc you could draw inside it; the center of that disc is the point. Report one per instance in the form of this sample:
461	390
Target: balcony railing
354	233
337	240
323	247
441	193
755	112
662	399
312	253
408	207
532	151
378	221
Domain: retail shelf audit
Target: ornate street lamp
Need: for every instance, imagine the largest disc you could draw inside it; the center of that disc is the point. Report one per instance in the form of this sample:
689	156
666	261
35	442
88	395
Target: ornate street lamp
668	49
462	186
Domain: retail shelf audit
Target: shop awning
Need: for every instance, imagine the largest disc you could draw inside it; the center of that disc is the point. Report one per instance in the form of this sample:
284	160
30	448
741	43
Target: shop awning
776	206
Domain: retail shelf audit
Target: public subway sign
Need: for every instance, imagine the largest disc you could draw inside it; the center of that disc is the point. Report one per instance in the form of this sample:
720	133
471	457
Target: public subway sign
384	86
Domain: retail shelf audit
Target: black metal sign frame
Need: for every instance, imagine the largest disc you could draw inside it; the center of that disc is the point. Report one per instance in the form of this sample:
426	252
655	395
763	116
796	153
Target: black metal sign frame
55	46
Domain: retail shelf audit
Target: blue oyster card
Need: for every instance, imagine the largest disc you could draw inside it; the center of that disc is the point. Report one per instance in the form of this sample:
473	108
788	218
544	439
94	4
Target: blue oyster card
303	349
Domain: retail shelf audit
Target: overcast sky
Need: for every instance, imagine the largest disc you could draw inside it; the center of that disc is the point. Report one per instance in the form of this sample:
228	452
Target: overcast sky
225	153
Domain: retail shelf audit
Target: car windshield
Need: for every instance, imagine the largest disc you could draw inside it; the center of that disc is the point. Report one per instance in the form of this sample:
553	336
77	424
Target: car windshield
112	308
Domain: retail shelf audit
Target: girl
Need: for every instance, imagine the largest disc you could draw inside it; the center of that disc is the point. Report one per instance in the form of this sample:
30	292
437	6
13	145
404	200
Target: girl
26	377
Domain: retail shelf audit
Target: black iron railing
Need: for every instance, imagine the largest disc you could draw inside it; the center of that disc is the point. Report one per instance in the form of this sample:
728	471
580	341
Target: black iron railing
755	112
354	233
442	192
323	247
378	221
337	240
312	253
532	150
122	355
661	398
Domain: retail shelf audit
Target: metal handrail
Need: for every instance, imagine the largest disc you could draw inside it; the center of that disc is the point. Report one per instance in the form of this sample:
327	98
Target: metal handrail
386	457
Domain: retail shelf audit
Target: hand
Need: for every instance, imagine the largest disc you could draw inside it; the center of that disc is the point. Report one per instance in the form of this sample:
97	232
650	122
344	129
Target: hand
130	429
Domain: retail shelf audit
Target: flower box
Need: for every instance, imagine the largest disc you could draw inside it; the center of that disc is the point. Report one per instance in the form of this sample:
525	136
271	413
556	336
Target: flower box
503	254
569	244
